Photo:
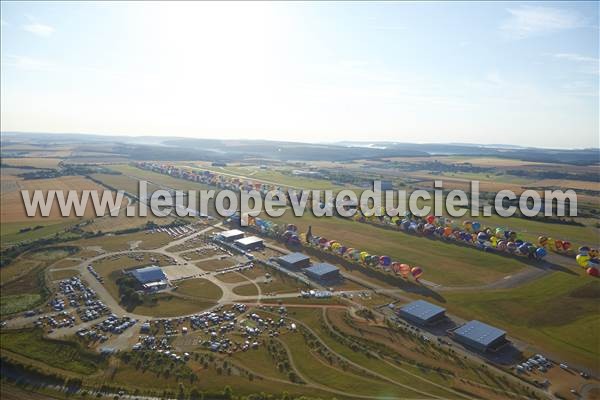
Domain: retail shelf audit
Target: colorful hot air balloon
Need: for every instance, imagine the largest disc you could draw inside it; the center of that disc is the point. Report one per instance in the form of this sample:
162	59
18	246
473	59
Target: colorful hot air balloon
430	219
582	260
416	272
363	256
583	250
540	253
405	270
558	245
385	260
292	227
543	241
468	225
592	271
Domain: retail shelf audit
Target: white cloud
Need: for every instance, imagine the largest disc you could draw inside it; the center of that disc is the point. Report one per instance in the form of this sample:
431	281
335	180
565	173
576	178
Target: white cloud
37	28
28	63
576	57
588	65
535	20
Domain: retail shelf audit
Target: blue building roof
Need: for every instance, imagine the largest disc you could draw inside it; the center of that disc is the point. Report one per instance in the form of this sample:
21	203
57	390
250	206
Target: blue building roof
321	269
149	274
479	332
293	258
422	309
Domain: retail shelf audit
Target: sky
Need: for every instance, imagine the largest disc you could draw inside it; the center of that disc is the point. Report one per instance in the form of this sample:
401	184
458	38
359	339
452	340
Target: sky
469	72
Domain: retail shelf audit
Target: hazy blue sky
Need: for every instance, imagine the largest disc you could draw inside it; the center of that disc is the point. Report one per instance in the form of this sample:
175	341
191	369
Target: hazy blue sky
489	72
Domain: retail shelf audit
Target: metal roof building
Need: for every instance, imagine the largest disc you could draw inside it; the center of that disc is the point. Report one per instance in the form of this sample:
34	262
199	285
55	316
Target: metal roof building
294	260
231	235
322	271
422	312
480	336
149	274
250	243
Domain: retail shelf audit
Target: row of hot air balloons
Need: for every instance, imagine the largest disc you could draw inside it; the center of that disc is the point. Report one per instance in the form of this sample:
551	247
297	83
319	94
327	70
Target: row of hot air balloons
471	232
588	258
359	256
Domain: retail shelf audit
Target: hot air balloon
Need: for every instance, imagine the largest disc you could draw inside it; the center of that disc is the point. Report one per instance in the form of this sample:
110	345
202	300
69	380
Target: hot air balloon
428	229
385	260
475	226
430	219
540	253
592	271
416	272
468	225
405	270
482	237
543	241
511	247
292	227
582	260
363	256
558	245
583	250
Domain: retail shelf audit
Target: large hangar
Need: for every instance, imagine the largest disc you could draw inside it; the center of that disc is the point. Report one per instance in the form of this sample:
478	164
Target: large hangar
479	336
250	243
322	272
231	235
422	312
294	260
150	278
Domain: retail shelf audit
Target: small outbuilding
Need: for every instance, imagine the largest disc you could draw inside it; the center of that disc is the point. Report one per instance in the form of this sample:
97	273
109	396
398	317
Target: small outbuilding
294	260
422	312
250	243
479	336
323	272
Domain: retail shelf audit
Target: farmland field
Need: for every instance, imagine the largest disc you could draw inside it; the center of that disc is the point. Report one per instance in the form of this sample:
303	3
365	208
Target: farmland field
38	162
13	209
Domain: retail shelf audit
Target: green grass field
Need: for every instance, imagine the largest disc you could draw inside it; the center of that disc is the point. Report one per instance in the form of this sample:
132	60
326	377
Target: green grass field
12	304
10	231
167	305
318	371
199	288
443	263
248	289
65	355
63	274
558	313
